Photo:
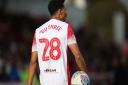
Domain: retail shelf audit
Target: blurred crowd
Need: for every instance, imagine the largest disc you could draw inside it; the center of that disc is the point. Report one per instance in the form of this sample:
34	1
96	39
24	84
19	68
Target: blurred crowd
101	55
16	33
104	56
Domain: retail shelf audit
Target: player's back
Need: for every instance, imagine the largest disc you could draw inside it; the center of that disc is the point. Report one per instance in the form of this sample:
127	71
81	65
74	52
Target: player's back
51	41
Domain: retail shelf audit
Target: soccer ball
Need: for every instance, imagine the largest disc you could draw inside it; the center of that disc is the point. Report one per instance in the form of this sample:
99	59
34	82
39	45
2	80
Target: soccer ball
80	78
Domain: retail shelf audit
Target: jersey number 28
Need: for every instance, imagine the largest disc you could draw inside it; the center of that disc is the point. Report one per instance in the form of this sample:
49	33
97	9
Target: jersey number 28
54	52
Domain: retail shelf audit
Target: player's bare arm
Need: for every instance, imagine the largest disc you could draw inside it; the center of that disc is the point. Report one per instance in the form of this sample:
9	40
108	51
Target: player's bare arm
32	67
78	57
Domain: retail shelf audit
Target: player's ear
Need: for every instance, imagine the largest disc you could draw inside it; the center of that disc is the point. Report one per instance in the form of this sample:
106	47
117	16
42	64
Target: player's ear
59	11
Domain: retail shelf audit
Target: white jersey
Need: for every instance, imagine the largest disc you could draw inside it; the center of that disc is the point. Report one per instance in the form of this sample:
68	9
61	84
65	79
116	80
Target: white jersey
51	41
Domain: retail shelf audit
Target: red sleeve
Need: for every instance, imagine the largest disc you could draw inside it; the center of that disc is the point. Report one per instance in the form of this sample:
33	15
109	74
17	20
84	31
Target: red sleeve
70	31
71	36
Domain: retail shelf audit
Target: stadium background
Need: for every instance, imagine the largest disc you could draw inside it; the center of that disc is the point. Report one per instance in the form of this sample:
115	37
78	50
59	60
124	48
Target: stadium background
100	26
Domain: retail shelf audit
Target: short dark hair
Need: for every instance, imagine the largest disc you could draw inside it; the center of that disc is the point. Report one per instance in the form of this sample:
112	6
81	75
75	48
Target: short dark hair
54	5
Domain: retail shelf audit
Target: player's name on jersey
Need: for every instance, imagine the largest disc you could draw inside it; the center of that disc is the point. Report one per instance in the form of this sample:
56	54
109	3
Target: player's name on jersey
51	27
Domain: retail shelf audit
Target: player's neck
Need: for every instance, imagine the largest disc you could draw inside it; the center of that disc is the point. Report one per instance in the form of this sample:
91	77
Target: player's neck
57	18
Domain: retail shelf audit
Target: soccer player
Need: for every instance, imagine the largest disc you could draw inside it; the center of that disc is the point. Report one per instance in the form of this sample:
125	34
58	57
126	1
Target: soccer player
49	48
